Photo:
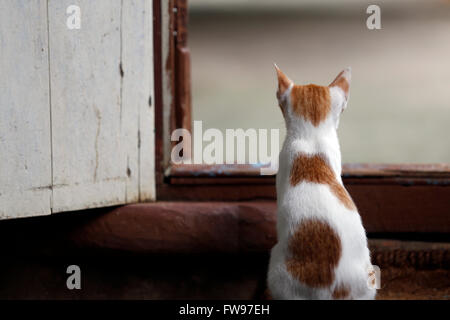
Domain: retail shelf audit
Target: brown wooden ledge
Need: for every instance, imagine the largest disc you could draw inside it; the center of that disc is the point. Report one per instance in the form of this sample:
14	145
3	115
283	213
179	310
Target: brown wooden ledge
185	228
36	252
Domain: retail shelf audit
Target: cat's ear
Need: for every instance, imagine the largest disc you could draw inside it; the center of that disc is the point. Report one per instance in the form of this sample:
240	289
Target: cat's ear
342	81
283	82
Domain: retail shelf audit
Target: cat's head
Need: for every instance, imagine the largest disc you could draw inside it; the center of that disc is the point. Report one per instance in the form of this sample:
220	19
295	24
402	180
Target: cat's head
312	109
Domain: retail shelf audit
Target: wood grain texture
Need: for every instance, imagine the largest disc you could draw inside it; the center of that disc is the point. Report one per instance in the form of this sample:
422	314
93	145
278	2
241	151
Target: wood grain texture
138	97
167	76
187	228
86	106
183	68
25	148
77	124
349	170
101	85
390	198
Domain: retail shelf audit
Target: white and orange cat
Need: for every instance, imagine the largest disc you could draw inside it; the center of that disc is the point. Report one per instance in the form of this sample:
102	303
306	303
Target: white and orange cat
322	248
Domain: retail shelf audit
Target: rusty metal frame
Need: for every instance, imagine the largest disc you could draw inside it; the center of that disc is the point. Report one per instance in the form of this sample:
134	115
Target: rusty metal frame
417	195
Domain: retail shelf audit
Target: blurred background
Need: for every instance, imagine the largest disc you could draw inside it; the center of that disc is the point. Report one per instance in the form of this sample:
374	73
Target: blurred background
399	108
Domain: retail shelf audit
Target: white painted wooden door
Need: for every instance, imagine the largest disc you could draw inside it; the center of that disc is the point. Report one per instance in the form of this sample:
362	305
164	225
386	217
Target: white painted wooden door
76	120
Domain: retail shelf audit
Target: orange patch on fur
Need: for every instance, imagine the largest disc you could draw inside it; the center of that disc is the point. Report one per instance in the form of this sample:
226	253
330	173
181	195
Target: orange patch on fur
341	292
312	102
315	250
315	169
342	83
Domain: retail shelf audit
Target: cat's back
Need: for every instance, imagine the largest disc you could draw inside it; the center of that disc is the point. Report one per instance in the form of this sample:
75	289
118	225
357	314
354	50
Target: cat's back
309	183
319	229
321	251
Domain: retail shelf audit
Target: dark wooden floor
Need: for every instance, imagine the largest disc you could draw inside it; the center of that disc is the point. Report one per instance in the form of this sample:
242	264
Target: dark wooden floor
224	259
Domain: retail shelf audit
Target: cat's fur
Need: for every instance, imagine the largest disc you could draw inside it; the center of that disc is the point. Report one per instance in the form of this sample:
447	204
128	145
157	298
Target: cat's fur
322	248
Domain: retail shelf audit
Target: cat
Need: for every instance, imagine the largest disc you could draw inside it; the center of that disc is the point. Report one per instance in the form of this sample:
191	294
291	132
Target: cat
322	250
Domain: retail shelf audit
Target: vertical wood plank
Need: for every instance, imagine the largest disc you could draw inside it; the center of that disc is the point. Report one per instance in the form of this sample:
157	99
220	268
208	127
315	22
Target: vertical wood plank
25	148
183	67
137	94
76	116
147	187
101	83
168	78
89	167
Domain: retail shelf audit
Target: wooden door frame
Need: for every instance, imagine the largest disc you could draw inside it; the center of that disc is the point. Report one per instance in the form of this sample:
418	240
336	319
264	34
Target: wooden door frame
390	197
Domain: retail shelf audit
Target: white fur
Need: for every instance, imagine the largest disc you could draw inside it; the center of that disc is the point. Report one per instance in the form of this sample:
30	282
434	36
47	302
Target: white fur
312	200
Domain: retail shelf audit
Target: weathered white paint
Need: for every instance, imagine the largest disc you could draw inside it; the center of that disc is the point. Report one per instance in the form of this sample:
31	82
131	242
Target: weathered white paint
25	155
137	93
86	105
86	136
